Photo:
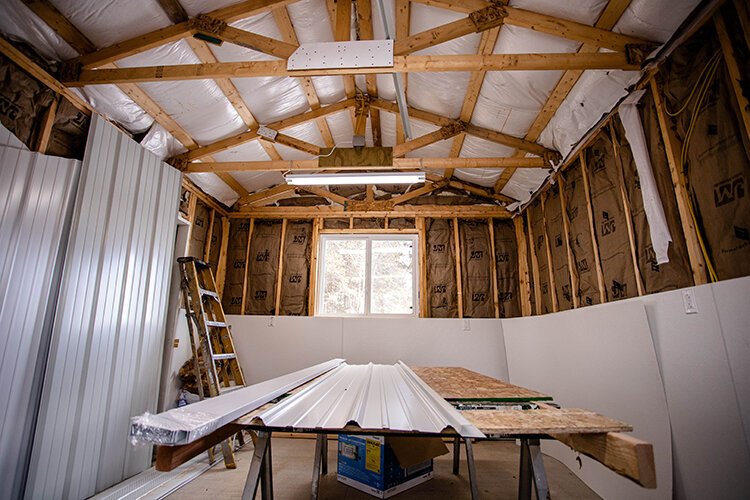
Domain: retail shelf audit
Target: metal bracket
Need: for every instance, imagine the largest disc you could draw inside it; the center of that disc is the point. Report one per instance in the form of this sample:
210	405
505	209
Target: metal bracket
267	133
488	17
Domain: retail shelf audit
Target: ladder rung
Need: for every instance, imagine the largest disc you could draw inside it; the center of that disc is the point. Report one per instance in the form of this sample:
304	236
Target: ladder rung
208	293
217	324
229	355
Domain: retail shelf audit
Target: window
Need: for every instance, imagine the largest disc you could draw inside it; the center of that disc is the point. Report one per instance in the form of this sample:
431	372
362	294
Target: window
364	275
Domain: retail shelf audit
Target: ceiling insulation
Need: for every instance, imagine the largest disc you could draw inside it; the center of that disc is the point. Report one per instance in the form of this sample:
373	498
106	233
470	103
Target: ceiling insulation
507	101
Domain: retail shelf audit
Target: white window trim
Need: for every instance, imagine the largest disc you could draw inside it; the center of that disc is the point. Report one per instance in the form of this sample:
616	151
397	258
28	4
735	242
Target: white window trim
369	237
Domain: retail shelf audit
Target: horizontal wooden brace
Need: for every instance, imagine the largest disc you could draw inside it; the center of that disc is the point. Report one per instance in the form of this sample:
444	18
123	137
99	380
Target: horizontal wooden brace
328	211
398	164
401	64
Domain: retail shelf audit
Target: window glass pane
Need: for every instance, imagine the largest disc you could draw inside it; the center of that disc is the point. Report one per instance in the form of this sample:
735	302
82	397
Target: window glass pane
391	277
344	278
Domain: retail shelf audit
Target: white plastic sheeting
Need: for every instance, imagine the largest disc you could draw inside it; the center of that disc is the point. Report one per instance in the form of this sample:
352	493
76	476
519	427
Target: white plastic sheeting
657	221
508	101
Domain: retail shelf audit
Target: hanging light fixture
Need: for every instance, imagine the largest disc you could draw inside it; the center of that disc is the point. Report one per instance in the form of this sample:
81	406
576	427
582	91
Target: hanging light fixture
355	178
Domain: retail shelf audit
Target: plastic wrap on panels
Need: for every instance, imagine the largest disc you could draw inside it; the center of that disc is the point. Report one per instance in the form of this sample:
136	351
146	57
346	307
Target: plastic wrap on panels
161	143
374	397
186	424
558	250
579	236
214	186
18	21
234	281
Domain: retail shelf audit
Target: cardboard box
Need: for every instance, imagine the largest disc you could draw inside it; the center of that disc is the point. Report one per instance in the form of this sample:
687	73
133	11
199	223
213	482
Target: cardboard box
386	466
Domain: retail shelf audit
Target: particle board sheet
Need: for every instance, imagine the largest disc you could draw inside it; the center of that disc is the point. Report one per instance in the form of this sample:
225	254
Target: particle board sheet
453	382
543	421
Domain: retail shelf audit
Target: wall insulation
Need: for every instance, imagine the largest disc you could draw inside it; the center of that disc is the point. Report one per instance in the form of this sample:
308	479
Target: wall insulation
579	237
506	263
265	245
558	249
234	283
106	347
530	264
214	244
476	269
717	155
539	245
295	278
38	191
442	293
200	226
609	219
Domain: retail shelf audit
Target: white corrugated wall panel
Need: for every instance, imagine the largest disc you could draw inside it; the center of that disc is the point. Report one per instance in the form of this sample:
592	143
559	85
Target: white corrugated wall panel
105	355
37	193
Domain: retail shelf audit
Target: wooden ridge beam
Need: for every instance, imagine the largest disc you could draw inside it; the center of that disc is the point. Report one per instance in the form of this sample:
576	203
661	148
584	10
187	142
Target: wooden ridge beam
481	20
607	20
252	134
402	64
173	33
378	209
398	164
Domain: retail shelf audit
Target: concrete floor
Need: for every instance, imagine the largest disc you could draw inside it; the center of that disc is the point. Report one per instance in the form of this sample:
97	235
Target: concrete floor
496	462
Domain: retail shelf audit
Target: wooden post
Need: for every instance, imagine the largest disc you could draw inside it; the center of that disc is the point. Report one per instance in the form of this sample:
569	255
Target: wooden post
534	266
550	264
672	148
313	288
566	237
247	264
280	271
730	58
459	284
523	267
594	243
626	209
221	269
209	235
495	298
49	121
351	222
192	204
744	17
421	228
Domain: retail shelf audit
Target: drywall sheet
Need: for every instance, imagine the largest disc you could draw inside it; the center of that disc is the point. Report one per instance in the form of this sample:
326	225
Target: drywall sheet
538	233
295	276
442	292
476	269
106	350
609	219
711	456
37	193
600	358
558	249
199	231
677	273
231	298
506	263
580	241
656	277
718	153
263	266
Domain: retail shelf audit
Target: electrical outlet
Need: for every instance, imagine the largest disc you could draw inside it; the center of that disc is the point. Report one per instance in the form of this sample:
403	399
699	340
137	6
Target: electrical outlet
467	325
272	321
688	298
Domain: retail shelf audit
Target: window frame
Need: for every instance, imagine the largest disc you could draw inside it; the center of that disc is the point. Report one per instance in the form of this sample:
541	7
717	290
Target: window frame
368	238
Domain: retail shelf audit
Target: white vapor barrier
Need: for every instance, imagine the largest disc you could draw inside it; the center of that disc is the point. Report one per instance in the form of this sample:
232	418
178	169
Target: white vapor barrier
374	397
657	221
106	347
37	193
185	424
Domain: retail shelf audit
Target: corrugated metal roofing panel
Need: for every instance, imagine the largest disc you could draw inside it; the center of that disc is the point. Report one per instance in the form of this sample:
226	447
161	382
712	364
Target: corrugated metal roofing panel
374	397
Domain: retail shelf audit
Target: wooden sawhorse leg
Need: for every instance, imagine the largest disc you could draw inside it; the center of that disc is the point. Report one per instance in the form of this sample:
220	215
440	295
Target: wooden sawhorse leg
456	454
532	464
261	470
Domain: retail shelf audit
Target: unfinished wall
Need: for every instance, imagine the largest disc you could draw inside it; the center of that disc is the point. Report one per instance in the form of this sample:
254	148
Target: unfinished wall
442	293
476	269
506	263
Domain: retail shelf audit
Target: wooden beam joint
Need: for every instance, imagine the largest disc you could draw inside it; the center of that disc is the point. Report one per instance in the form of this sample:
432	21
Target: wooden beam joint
208	25
489	17
637	53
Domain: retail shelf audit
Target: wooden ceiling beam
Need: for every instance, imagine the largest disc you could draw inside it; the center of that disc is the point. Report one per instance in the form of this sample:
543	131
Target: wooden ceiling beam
398	164
428	188
341	22
607	20
365	32
324	193
264	195
441	134
408	64
297	144
472	189
403	20
173	33
252	134
377	209
254	41
174	10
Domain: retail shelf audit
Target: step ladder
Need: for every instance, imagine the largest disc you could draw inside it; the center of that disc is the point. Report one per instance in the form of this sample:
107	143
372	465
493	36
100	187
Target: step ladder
215	359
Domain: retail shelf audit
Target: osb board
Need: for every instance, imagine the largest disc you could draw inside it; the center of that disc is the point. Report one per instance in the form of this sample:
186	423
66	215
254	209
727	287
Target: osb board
543	421
461	384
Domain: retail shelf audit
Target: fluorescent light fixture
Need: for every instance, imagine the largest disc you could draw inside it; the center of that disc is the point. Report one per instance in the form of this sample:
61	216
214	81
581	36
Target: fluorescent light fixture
355	178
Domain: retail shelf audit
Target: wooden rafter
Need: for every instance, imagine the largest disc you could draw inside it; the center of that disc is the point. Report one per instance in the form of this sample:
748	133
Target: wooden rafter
398	164
336	198
441	134
426	189
254	41
401	64
607	20
174	32
375	210
297	144
472	188
266	196
403	18
364	22
341	23
284	22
